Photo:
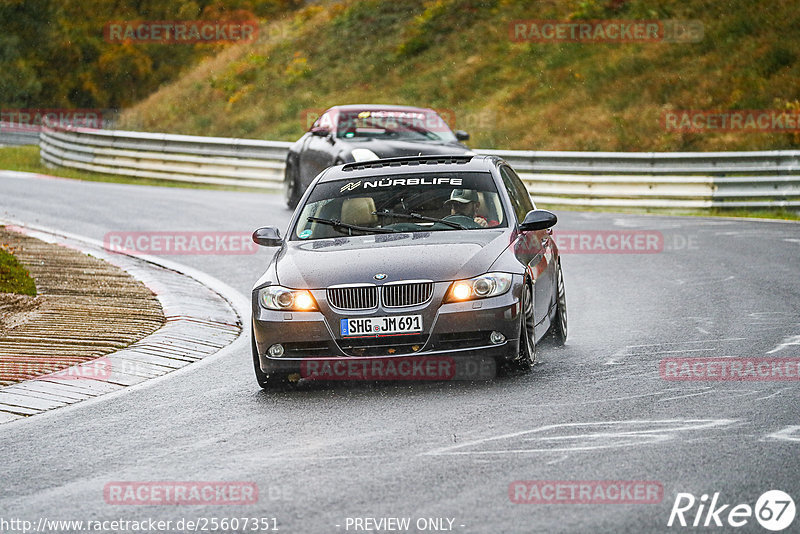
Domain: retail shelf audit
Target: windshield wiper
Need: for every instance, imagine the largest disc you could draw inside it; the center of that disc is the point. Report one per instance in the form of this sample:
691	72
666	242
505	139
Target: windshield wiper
418	217
336	223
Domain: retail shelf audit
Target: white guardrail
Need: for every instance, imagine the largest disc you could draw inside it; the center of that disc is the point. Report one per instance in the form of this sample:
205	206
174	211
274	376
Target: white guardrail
608	179
11	134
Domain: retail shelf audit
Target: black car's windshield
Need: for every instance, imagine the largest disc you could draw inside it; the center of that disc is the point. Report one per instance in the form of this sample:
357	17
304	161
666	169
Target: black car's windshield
425	202
394	124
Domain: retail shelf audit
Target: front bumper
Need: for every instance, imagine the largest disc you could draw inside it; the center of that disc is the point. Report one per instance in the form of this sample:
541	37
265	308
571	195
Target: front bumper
456	331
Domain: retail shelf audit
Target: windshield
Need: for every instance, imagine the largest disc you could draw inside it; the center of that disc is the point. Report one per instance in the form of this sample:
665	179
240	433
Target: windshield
425	202
394	124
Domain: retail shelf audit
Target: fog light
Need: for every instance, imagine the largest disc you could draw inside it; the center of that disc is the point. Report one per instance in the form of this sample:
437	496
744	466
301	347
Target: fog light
496	337
276	351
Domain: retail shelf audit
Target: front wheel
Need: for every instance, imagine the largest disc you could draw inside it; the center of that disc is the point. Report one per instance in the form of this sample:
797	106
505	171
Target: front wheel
560	319
526	355
290	186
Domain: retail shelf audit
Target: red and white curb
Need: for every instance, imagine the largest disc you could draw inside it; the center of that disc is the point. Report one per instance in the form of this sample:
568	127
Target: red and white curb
204	318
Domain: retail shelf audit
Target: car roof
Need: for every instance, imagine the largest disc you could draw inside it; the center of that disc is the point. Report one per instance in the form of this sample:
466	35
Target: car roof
410	165
376	107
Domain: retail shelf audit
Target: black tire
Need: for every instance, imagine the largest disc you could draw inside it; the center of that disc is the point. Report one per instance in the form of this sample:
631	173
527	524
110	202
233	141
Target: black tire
272	382
559	328
526	354
291	185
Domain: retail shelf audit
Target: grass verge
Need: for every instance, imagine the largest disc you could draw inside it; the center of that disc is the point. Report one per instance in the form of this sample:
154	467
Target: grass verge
14	278
458	56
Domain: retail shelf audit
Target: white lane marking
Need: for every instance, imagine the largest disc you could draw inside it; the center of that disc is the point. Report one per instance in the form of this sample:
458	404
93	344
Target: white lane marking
738	392
705	281
709	390
672	351
620	354
337	457
790	240
790	433
687	342
773	395
557	460
793	340
653	431
614	360
599	401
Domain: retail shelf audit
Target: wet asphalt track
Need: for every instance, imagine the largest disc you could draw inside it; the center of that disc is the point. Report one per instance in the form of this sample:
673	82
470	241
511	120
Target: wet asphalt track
328	452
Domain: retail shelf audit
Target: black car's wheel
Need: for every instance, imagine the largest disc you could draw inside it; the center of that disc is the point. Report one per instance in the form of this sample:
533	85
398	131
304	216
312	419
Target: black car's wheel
270	382
291	186
526	355
559	328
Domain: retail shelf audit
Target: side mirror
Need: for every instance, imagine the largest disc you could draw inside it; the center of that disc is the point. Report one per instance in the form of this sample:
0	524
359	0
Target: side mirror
320	131
538	220
461	135
269	236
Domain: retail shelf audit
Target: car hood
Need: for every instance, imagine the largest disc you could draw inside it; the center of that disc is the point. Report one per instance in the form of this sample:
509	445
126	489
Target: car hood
396	149
437	256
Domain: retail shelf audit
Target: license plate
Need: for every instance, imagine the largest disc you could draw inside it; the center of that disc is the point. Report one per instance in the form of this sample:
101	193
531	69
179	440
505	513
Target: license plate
370	326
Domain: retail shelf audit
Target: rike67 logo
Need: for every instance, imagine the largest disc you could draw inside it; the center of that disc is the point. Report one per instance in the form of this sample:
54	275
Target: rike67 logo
774	510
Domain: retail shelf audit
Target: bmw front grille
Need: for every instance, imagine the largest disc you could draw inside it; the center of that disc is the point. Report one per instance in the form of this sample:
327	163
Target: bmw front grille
360	297
403	294
393	295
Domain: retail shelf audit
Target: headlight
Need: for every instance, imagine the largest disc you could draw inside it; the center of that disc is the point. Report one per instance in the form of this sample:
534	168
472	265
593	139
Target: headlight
364	154
283	298
480	287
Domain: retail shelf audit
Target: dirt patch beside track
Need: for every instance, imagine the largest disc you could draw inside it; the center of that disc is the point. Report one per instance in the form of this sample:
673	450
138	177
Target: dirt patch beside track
86	308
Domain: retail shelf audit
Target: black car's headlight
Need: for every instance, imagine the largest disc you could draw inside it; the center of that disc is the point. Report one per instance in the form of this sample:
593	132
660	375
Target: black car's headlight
283	298
481	287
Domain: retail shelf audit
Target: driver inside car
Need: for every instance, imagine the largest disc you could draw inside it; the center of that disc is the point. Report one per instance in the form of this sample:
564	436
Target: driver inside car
464	206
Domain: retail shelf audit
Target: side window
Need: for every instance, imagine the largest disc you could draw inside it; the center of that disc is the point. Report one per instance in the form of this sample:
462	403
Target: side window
520	199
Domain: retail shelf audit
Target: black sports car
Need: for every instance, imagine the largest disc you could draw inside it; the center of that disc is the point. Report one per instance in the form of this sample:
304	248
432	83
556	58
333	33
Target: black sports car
425	257
350	133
